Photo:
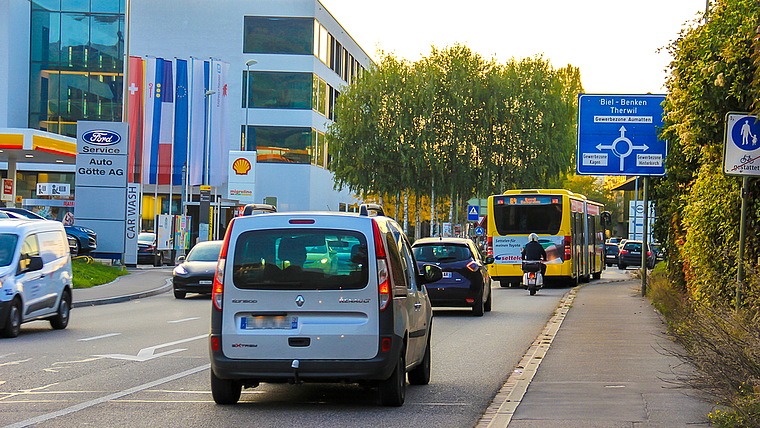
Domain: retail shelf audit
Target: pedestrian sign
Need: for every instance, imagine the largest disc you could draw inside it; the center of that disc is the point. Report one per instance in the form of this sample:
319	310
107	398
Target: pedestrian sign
617	135
473	213
741	146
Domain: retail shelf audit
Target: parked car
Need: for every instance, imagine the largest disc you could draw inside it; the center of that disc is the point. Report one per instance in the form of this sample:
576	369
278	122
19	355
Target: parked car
630	255
611	252
195	273
275	319
613	241
148	253
35	274
465	281
81	240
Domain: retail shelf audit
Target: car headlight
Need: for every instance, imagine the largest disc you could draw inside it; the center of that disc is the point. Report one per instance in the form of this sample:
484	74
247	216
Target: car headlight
180	270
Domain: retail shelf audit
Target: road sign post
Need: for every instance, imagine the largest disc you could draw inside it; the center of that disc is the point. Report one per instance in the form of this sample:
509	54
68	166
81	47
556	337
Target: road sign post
618	135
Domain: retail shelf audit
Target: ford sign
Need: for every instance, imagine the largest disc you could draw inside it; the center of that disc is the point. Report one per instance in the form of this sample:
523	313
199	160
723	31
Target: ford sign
100	137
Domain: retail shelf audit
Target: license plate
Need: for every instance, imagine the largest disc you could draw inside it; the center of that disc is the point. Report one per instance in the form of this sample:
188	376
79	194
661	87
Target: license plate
268	322
447	274
205	282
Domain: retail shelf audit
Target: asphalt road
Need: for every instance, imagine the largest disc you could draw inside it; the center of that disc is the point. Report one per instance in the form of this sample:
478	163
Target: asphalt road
144	363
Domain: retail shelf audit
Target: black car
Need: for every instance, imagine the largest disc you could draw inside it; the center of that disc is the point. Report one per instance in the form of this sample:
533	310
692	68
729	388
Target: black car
147	253
465	282
195	274
82	240
630	255
611	252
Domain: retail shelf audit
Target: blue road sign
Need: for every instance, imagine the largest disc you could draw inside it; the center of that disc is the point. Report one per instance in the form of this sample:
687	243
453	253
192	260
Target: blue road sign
617	135
479	231
473	213
741	155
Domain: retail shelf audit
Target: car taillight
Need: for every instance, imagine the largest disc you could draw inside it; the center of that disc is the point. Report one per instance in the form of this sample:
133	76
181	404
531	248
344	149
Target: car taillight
489	246
531	275
649	253
473	266
568	248
217	292
383	275
623	251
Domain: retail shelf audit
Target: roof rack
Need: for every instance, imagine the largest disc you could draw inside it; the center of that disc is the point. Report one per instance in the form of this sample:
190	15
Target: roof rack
250	208
365	210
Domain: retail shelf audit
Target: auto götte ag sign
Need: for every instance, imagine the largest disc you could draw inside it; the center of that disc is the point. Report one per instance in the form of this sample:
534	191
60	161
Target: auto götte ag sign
617	135
741	153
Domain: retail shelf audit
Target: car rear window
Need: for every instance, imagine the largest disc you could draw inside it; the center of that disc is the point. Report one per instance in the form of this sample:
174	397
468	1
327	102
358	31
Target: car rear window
442	253
300	259
633	246
7	248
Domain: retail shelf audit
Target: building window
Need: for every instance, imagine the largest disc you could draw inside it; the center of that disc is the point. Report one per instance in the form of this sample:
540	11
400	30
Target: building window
273	35
280	144
278	90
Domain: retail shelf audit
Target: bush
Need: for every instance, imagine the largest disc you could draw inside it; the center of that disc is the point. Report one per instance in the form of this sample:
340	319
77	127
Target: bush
723	346
89	274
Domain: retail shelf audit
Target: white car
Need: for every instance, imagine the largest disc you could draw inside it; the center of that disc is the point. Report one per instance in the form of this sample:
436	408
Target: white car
35	274
282	312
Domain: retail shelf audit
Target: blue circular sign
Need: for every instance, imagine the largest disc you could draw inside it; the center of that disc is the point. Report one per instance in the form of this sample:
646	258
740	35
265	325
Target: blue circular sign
746	134
479	231
101	137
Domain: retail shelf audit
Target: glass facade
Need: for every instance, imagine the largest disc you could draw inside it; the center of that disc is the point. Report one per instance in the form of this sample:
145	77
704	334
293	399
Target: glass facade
77	49
278	90
281	144
273	35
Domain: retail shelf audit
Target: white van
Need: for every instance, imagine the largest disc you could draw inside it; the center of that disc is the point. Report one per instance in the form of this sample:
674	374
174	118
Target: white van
35	274
319	297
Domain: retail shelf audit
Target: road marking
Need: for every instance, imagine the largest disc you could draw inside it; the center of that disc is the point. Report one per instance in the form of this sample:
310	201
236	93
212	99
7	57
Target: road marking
146	354
183	320
111	397
13	363
6	355
98	337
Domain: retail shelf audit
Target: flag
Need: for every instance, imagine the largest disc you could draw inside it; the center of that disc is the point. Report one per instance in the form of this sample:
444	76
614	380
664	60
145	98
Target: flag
181	127
218	141
199	71
163	161
152	74
134	117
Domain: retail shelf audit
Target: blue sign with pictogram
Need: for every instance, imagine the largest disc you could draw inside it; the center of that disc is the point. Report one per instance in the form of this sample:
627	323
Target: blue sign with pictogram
473	213
479	231
617	135
741	154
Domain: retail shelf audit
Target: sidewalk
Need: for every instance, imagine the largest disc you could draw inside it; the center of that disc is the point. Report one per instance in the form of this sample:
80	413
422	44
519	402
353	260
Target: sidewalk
600	362
140	283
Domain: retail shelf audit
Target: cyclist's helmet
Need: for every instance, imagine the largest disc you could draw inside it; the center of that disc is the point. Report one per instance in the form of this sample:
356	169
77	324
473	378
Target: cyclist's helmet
533	237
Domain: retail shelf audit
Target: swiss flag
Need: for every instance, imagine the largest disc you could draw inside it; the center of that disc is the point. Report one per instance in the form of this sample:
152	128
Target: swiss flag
134	117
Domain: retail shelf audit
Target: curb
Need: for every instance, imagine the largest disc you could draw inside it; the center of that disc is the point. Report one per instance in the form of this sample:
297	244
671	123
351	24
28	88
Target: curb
125	298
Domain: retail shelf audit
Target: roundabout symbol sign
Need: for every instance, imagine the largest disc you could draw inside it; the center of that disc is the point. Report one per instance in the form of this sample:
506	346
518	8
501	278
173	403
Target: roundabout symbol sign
622	154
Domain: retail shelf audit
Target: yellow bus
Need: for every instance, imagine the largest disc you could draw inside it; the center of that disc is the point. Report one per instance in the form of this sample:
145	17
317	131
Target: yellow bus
568	225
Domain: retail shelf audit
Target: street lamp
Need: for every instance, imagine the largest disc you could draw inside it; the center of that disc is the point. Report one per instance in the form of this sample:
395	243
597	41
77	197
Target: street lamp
248	65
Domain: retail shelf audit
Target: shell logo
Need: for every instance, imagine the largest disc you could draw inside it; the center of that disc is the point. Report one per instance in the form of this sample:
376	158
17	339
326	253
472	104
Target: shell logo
241	166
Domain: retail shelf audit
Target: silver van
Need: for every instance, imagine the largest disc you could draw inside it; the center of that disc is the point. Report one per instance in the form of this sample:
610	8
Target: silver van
35	274
319	297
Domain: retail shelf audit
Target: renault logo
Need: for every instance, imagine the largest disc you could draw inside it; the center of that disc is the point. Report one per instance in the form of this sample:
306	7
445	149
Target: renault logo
300	300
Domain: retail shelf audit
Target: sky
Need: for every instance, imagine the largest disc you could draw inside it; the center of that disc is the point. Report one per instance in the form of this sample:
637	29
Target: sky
618	45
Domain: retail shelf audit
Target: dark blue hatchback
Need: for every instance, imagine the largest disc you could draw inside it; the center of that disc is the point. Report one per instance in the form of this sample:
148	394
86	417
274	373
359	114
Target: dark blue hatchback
465	282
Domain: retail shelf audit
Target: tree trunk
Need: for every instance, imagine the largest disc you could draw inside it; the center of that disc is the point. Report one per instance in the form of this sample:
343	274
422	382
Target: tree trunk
451	212
432	208
417	222
406	212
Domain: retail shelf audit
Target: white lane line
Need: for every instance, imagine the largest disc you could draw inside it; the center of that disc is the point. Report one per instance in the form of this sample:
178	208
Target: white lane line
12	363
103	336
101	400
183	320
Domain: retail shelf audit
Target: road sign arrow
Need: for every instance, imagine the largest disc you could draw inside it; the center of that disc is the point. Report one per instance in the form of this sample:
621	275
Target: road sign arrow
146	354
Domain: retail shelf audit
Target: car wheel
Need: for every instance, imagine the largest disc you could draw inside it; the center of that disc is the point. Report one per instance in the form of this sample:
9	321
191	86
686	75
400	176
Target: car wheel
393	389
621	266
61	319
597	275
488	301
179	294
479	307
225	391
76	248
13	322
420	375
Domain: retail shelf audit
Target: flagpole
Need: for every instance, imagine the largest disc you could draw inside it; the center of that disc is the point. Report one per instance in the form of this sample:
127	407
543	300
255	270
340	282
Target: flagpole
125	69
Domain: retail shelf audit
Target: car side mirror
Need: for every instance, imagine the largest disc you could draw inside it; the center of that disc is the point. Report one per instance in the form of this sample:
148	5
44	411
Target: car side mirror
431	273
180	259
489	260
